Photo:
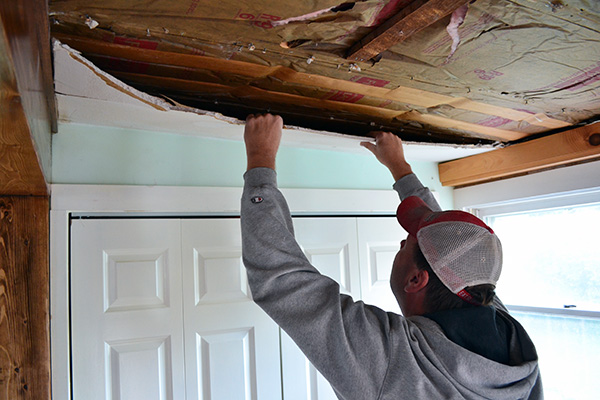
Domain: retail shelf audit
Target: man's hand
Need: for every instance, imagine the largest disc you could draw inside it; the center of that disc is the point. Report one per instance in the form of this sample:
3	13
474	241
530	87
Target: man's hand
262	136
388	150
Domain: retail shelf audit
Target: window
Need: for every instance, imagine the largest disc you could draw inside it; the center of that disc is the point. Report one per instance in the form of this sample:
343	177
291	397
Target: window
551	283
551	257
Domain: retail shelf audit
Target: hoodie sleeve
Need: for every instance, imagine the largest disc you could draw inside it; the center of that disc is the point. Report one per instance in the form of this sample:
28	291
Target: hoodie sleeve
410	185
345	340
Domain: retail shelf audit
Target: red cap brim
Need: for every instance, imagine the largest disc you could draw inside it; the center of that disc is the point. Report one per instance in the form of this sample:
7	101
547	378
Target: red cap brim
411	212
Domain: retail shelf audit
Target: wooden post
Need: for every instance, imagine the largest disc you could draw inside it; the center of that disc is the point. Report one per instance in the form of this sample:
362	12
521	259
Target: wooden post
27	115
24	298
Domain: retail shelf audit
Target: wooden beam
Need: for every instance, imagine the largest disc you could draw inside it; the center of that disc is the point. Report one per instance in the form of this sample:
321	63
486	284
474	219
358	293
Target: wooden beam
565	148
27	106
26	26
20	171
25	95
24	298
416	16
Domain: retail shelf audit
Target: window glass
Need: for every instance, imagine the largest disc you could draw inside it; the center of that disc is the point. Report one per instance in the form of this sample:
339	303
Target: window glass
569	350
551	258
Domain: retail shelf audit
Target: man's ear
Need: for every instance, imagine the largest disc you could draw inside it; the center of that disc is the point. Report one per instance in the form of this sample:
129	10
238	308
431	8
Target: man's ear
417	281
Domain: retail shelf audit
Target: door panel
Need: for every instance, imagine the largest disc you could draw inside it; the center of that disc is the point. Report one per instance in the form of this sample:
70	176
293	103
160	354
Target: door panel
126	310
232	346
126	359
379	241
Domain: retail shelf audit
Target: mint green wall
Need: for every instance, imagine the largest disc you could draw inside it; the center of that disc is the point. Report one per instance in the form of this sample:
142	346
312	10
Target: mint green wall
84	154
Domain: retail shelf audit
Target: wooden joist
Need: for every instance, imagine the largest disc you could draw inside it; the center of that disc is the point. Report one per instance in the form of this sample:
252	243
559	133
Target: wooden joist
565	148
417	15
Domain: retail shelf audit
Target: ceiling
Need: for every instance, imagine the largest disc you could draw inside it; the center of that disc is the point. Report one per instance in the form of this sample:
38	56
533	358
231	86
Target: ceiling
519	70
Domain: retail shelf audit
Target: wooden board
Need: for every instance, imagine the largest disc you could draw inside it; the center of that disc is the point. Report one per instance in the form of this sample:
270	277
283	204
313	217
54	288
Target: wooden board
565	148
26	98
24	298
26	26
411	19
20	172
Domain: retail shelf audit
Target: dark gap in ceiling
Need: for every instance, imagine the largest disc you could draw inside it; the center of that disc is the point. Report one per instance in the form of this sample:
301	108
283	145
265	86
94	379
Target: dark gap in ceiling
309	118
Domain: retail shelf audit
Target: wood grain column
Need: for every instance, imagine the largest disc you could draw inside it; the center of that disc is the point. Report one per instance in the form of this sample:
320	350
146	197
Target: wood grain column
24	298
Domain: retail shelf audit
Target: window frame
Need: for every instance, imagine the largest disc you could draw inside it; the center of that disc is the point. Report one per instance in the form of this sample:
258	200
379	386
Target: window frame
545	202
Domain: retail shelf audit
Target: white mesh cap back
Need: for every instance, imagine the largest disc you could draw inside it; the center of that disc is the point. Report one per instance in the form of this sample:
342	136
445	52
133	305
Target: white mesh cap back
461	254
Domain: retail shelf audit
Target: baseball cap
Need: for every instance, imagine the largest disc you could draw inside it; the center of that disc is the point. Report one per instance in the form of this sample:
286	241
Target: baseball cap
460	248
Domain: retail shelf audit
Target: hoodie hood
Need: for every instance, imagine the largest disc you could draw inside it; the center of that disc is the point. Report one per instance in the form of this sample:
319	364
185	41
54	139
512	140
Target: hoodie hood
484	331
475	375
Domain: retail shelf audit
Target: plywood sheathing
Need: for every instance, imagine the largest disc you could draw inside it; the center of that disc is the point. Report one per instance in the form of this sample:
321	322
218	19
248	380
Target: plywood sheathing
518	68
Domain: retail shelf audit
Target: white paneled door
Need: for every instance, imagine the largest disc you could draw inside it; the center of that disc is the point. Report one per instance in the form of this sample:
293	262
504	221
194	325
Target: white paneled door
126	310
158	314
232	346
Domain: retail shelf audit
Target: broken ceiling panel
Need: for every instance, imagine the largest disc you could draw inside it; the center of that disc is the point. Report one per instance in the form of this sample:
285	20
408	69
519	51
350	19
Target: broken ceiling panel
87	95
522	68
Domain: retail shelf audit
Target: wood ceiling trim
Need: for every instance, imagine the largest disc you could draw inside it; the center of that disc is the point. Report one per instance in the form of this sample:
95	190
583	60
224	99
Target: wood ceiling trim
405	95
411	19
565	148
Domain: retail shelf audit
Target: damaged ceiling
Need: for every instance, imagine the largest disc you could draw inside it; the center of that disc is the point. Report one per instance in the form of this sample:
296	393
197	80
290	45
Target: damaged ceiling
438	71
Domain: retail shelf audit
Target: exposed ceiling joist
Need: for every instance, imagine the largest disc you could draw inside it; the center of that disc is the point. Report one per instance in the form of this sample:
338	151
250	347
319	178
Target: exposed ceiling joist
254	74
565	148
416	16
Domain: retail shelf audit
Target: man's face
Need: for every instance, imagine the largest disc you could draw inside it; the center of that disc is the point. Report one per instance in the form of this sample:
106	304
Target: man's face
404	266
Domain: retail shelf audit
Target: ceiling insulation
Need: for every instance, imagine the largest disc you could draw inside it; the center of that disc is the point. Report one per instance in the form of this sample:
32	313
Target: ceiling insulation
512	70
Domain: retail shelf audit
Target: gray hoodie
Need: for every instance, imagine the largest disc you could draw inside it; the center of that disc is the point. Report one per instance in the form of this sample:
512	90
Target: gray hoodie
364	352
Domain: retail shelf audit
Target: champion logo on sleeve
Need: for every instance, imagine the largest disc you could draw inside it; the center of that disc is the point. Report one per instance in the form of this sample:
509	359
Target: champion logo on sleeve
256	199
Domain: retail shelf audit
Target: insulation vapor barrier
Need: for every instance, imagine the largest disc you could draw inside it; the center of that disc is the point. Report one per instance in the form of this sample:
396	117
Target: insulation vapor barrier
494	70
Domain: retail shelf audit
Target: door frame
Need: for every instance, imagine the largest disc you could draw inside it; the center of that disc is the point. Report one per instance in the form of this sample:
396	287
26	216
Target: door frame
69	201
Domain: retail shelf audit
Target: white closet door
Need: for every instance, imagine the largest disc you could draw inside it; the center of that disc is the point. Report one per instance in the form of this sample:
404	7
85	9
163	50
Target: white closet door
232	346
126	310
379	240
330	244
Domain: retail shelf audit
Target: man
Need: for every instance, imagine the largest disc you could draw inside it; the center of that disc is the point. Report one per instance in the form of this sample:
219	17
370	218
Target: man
449	343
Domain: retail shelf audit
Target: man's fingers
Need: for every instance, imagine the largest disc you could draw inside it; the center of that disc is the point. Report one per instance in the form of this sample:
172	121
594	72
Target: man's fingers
369	146
376	134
